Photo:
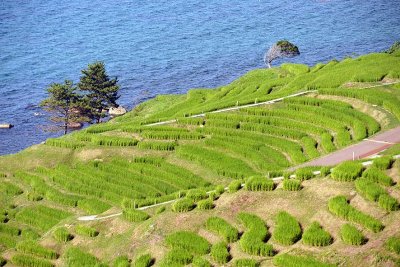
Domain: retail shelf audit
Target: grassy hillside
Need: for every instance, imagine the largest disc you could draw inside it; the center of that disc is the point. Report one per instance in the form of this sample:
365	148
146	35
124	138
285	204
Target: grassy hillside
122	167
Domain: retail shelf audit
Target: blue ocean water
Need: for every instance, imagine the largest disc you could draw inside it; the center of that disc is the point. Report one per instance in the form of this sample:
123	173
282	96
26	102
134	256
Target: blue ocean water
159	47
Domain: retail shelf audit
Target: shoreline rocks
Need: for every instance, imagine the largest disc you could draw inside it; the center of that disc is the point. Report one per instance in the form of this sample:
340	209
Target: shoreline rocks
117	111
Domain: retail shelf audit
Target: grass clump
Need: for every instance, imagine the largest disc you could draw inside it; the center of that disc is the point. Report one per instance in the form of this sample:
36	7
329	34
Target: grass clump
246	263
10	189
347	171
341	208
388	202
291	185
223	228
134	215
315	235
197	194
220	253
121	261
32	247
34	196
304	174
200	262
9	230
189	241
383	163
28	261
143	261
177	257
62	235
286	260
393	244
259	183
183	205
351	235
252	241
325	171
93	206
235	186
205	204
374	192
287	229
378	176
75	257
86	231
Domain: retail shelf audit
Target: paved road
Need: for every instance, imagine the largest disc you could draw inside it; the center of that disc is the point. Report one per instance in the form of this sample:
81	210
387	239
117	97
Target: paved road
364	149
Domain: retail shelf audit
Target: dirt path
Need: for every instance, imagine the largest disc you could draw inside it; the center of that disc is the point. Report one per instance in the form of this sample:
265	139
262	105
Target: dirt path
364	149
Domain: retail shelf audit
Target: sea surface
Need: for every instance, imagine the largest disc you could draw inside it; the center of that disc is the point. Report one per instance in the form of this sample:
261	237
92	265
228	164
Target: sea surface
164	47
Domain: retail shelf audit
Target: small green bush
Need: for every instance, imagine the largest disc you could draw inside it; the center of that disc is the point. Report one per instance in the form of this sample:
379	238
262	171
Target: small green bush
32	247
86	231
196	194
286	260
388	202
93	206
177	257
304	174
235	186
75	257
189	241
245	263
134	215
325	171
183	205
144	261
369	190
347	171
121	261
220	253
315	235
205	204
62	235
223	228
383	163
351	235
200	262
220	189
28	261
378	176
259	183
287	229
393	244
291	185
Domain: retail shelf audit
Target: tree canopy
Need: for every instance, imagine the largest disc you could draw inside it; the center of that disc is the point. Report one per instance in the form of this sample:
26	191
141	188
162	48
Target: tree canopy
282	48
101	92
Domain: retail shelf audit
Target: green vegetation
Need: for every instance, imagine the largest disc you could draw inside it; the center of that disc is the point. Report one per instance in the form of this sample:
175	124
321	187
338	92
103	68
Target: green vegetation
245	263
205	204
383	163
196	194
287	229
291	185
378	176
286	260
121	261
234	186
315	235
304	174
86	231
219	253
223	228
183	205
340	207
144	260
257	183
351	235
393	244
27	261
189	242
177	257
347	171
62	234
31	247
200	262
252	241
376	193
74	256
133	215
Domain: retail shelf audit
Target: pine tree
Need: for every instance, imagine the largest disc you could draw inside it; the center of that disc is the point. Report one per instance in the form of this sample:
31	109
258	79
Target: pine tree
65	105
101	91
281	49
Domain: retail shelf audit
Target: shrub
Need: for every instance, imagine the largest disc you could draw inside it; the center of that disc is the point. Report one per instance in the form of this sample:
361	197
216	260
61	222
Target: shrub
196	194
393	244
86	231
369	189
351	235
220	253
259	183
121	261
388	203
188	241
383	163
134	215
200	262
340	207
75	257
62	235
213	195
223	228
220	189
205	204
235	186
286	260
183	205
245	263
291	185
287	229
304	174
375	175
315	235
28	261
252	241
177	257
347	171
144	261
32	247
325	171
